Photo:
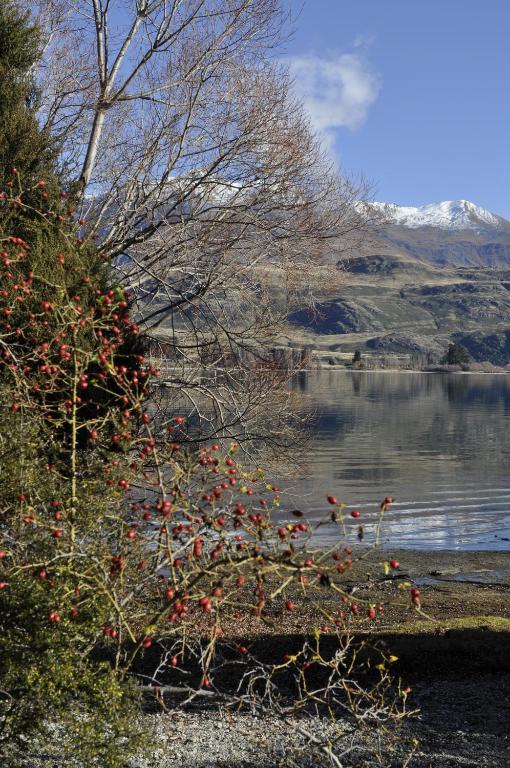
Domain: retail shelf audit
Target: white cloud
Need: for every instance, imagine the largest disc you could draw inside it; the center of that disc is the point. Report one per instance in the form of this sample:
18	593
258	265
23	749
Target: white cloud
337	91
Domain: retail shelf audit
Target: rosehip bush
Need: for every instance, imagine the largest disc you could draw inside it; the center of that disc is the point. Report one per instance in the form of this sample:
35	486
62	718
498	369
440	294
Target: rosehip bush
130	567
69	372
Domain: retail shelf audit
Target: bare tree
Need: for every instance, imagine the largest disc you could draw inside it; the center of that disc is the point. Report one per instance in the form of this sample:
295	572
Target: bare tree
199	173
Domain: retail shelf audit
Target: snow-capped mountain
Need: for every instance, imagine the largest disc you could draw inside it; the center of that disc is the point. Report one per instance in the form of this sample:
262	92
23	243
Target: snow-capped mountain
451	215
457	233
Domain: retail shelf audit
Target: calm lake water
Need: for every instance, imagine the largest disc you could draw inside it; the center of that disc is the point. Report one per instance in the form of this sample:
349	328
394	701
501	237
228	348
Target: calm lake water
439	444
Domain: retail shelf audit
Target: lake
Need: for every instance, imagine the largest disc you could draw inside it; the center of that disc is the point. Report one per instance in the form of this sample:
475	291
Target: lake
439	444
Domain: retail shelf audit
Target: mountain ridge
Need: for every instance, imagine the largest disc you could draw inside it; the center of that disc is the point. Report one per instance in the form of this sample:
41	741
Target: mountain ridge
447	214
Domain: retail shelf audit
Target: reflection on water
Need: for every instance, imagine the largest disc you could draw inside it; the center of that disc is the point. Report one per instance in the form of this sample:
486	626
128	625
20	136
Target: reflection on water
438	443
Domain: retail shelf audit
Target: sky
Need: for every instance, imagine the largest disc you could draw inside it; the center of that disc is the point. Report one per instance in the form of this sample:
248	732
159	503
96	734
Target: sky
413	94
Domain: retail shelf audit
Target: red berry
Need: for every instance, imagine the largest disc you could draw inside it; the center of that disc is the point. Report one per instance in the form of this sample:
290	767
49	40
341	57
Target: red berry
197	547
289	605
205	604
355	513
332	499
394	564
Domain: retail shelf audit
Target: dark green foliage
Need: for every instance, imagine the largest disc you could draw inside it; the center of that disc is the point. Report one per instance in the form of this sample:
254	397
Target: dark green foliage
67	701
456	355
22	144
28	155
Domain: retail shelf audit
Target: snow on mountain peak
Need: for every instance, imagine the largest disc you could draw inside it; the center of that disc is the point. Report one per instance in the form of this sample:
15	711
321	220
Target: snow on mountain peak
450	214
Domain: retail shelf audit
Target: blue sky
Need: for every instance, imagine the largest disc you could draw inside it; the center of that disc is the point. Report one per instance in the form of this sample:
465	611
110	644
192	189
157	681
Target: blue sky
415	94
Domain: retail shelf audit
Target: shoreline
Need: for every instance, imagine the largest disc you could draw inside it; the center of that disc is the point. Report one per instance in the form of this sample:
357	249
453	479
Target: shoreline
449	562
343	369
463	592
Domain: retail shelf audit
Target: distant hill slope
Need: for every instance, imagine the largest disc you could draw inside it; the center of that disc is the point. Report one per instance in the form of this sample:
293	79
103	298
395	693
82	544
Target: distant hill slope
431	275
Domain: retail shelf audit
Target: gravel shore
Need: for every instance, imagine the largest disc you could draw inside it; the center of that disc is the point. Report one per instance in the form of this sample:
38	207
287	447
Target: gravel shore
464	724
457	665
